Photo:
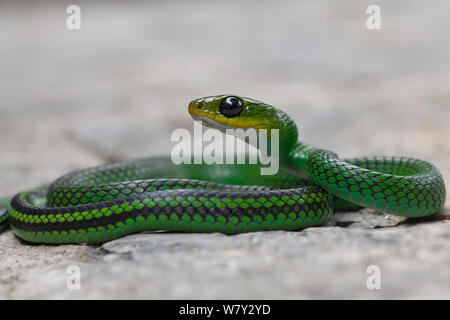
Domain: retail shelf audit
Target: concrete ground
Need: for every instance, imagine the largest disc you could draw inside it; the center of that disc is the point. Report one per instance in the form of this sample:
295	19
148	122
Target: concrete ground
118	87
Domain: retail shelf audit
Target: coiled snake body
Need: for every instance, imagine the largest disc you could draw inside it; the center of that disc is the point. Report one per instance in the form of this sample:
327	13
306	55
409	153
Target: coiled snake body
108	202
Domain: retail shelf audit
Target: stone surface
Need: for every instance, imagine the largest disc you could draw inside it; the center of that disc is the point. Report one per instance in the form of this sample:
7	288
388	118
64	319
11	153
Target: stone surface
118	87
326	262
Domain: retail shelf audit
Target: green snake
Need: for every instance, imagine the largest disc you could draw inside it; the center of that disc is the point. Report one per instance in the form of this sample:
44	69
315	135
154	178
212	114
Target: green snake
107	202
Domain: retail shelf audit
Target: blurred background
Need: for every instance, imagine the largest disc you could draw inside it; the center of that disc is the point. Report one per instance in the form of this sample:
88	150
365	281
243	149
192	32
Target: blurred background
117	88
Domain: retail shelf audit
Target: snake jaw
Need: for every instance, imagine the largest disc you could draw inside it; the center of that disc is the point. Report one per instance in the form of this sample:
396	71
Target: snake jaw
210	123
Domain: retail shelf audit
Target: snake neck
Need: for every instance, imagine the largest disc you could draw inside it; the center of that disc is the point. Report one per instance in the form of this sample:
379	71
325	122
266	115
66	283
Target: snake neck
288	132
296	160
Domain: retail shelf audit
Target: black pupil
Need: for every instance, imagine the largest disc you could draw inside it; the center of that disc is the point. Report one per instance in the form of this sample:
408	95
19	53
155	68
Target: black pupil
231	107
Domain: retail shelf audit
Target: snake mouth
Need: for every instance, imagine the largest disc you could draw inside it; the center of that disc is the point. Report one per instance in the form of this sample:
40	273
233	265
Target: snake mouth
211	123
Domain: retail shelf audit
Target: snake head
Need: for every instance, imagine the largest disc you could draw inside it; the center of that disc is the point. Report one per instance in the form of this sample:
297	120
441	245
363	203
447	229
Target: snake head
233	112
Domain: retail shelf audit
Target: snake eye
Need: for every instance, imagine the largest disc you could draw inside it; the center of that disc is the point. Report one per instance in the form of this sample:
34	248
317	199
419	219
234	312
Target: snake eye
231	107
